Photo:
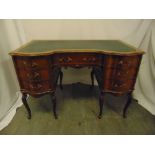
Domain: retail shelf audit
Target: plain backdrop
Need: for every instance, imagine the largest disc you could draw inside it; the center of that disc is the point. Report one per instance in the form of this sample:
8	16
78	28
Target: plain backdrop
14	33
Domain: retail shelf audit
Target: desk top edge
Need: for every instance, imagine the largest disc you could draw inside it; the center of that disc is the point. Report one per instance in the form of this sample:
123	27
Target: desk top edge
17	52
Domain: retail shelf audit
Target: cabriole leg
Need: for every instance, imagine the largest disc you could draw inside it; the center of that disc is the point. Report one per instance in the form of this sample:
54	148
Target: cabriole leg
53	98
24	96
101	101
127	105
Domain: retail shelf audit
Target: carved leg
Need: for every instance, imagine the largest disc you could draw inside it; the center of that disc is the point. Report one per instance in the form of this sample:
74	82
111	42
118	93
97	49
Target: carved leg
92	78
61	76
53	98
24	96
127	104
101	101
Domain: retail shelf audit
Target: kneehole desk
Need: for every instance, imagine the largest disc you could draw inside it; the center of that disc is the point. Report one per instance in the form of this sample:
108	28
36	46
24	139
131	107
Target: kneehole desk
114	63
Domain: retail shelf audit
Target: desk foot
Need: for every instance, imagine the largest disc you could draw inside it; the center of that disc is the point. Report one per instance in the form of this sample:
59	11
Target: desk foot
101	101
53	98
127	104
24	96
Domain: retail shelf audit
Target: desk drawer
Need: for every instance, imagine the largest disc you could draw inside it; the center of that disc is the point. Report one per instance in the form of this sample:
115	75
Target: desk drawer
36	75
120	73
127	62
118	85
32	62
77	59
39	86
36	87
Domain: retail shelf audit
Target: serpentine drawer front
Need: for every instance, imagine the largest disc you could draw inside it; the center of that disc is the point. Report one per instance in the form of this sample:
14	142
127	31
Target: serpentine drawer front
74	59
114	63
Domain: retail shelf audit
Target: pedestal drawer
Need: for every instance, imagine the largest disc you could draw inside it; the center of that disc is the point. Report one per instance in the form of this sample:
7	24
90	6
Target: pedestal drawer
36	87
32	62
120	73
114	61
36	75
118	85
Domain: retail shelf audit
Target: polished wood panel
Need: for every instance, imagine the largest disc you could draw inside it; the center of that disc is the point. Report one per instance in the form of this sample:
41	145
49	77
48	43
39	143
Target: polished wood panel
36	75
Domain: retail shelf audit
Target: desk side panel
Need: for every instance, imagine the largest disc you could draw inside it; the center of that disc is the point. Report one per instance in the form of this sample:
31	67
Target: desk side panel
118	73
36	75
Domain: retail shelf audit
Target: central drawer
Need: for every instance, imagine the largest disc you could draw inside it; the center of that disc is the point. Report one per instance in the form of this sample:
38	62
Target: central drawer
77	59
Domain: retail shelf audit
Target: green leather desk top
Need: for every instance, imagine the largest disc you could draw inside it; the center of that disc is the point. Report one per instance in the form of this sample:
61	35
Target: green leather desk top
46	46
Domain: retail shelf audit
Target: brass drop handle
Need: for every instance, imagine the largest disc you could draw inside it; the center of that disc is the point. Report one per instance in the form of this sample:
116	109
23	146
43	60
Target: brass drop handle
118	73
68	59
34	64
34	76
119	85
93	59
116	85
89	59
37	86
29	76
61	59
121	62
84	59
24	62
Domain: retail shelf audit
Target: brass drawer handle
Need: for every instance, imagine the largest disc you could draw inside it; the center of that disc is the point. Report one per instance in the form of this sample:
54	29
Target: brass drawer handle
85	59
89	59
93	59
61	59
118	73
121	62
125	73
25	63
35	76
37	86
69	59
116	85
34	64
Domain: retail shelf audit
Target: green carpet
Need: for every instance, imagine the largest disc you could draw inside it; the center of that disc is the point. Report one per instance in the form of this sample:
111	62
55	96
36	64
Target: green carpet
77	110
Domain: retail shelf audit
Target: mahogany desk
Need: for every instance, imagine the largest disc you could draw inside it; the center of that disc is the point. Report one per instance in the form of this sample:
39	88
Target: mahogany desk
114	63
